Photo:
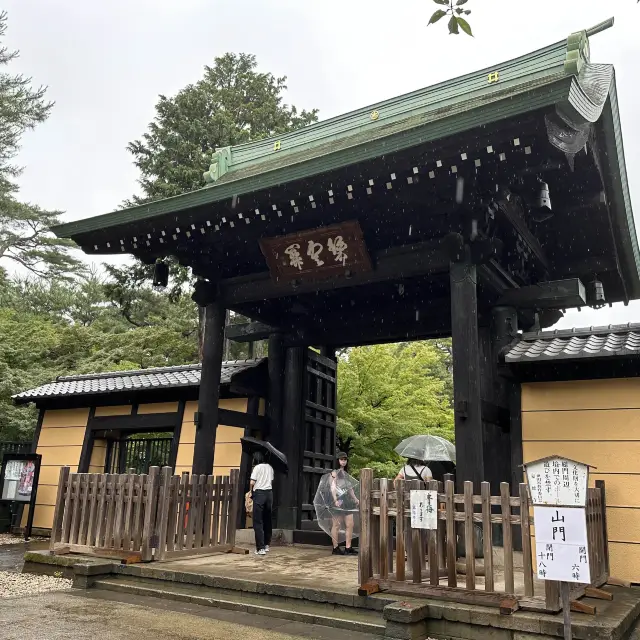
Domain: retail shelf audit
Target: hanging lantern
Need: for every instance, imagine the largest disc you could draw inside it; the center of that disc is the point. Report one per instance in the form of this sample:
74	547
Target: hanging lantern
595	294
542	208
160	275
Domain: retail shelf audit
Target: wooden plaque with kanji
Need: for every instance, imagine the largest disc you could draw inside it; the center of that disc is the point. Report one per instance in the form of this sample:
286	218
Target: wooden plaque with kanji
316	254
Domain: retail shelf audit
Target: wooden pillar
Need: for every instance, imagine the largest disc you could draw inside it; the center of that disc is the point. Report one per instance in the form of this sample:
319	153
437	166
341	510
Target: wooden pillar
290	440
276	385
207	427
466	375
504	328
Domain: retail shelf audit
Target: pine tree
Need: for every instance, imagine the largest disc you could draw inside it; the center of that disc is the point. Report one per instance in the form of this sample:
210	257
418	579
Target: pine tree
231	104
25	238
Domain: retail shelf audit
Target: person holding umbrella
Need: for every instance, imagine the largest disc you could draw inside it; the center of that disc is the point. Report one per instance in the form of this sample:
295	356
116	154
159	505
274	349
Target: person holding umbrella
261	487
415	470
344	503
266	458
425	447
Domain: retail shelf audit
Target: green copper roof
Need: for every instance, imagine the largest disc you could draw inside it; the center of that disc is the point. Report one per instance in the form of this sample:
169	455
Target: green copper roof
550	76
522	85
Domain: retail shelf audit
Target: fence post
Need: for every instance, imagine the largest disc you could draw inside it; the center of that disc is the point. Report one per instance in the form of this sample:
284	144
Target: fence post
469	540
605	534
364	558
527	561
434	568
58	513
163	512
232	522
449	494
507	537
150	514
400	531
487	535
384	529
417	555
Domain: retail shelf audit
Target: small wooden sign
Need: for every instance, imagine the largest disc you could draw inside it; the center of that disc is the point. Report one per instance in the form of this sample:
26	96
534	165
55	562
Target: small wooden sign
317	254
558	481
424	509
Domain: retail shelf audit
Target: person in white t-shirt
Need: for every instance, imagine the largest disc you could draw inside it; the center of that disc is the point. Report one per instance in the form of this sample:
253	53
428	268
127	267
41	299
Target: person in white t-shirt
262	494
415	470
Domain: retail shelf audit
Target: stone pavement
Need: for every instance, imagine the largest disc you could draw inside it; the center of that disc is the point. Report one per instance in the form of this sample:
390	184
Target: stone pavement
75	615
296	566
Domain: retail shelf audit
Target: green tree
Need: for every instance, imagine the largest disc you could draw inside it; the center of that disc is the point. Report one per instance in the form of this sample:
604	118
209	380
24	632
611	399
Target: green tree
231	104
389	392
25	238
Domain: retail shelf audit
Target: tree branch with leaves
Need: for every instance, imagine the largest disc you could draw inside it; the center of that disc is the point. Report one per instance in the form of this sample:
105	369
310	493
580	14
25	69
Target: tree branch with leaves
454	9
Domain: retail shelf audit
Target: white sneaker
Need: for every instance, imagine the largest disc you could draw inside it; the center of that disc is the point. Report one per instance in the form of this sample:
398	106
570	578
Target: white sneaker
267	548
261	552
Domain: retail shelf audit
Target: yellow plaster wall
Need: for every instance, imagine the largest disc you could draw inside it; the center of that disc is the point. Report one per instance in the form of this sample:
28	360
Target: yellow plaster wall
228	450
62	434
59	444
597	422
120	410
158	407
98	456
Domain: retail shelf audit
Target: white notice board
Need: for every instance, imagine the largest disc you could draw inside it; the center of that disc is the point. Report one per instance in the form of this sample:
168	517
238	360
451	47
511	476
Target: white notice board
424	509
560	525
561	544
558	481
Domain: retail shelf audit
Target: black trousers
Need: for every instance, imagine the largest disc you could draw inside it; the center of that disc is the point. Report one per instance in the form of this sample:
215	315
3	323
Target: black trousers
262	506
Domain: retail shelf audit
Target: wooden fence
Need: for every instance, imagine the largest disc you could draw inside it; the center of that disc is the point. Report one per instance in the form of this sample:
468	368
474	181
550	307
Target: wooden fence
145	516
421	562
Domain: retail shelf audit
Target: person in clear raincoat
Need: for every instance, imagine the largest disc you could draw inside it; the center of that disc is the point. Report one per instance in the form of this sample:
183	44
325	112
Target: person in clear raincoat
344	504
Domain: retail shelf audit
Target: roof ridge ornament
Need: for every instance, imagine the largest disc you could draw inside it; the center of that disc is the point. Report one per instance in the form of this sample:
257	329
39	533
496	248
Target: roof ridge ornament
578	50
220	162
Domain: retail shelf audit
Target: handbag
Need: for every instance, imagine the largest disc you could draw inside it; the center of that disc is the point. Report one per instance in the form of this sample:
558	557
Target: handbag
248	502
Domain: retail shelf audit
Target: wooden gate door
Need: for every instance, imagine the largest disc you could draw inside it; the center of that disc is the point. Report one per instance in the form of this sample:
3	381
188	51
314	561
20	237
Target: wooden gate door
319	429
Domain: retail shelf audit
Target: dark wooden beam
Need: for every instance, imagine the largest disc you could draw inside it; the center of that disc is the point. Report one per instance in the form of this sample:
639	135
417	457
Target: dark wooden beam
251	421
466	375
556	294
495	277
248	331
87	445
138	422
209	395
175	443
511	212
346	333
391	264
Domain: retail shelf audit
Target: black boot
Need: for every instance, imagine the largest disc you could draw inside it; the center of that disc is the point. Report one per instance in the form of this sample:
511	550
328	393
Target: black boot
338	551
350	551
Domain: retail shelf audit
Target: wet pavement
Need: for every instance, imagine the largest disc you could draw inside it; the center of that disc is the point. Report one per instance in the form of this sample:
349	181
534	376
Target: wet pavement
11	555
80	615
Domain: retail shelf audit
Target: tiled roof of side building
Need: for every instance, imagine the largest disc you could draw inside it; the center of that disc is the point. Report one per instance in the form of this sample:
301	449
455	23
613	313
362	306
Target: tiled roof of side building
573	344
139	379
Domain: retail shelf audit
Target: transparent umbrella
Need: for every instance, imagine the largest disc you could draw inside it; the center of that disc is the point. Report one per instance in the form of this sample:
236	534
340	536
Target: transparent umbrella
427	448
336	504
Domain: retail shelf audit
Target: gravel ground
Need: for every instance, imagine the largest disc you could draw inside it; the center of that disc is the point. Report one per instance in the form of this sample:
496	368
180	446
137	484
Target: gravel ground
22	584
9	538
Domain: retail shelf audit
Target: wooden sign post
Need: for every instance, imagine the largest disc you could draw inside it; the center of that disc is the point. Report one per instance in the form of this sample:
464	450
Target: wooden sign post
558	488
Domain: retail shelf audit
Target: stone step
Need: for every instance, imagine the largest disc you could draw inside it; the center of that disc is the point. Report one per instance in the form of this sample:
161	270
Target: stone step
328	615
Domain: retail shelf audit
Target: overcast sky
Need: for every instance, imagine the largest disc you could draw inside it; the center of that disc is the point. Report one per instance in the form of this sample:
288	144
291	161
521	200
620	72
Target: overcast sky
106	62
